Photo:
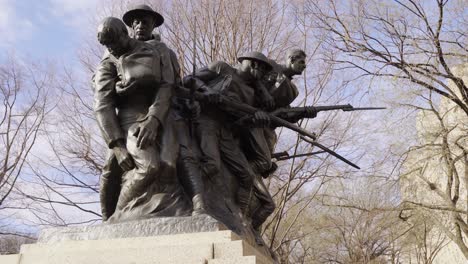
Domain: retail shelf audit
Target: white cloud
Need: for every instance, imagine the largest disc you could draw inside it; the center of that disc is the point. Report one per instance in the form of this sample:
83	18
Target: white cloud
75	13
13	27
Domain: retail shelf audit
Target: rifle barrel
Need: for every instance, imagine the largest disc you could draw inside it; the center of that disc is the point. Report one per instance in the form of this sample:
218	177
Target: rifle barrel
336	155
363	108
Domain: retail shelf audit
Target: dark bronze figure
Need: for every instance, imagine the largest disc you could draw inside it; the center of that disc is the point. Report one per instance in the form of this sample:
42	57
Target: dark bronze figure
218	142
134	85
142	19
260	142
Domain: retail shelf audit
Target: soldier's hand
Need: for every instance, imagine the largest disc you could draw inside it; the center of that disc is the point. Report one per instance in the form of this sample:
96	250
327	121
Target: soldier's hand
191	110
147	132
261	119
123	88
124	158
311	112
268	102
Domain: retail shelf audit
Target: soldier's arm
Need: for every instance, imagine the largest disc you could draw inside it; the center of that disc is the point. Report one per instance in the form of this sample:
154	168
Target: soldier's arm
104	102
148	130
204	76
162	101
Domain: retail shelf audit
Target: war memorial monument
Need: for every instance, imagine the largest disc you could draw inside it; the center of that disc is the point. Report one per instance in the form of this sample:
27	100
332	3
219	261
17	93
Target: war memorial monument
187	155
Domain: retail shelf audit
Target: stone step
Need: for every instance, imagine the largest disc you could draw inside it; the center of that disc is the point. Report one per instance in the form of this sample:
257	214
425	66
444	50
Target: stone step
238	249
133	243
237	260
10	259
204	247
158	226
195	253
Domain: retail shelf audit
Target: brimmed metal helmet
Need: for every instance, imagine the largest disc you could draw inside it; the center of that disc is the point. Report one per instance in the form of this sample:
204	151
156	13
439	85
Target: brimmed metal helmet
142	9
258	56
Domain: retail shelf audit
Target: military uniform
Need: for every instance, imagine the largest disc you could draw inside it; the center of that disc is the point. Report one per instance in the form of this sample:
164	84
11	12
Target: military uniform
151	98
218	134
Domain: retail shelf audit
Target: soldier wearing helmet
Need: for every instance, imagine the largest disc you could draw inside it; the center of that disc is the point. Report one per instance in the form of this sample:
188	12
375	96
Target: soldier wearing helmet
216	129
133	93
142	19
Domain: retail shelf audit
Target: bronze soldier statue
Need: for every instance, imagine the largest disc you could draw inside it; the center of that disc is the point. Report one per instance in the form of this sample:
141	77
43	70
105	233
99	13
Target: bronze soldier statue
216	129
143	19
284	92
134	84
260	142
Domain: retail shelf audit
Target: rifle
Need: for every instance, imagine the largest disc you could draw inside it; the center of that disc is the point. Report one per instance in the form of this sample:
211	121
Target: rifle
226	103
285	155
194	66
336	155
312	111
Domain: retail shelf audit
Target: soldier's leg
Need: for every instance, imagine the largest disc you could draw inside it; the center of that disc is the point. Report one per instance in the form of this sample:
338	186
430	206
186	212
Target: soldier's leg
257	149
271	138
207	132
147	165
109	188
267	204
190	167
237	163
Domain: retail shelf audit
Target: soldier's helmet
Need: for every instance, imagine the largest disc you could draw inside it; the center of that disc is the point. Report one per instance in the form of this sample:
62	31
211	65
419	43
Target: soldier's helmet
257	56
138	10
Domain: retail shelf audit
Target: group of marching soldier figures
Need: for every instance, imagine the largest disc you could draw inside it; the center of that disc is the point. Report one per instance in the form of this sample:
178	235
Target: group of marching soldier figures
201	144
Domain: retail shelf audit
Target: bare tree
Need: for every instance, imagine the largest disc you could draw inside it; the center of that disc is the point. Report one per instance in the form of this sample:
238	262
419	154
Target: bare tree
417	46
24	91
11	244
68	174
66	179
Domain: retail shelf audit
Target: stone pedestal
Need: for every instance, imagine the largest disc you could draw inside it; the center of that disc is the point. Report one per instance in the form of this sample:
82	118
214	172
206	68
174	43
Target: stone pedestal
181	240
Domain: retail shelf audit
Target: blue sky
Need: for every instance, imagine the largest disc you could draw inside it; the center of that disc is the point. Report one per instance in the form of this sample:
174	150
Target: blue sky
42	29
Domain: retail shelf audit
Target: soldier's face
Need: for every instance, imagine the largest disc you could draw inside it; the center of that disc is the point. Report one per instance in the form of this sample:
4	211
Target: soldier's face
117	47
143	26
298	64
255	68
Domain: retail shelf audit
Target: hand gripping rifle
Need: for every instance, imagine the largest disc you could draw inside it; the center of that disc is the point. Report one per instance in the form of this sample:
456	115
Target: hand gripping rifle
226	104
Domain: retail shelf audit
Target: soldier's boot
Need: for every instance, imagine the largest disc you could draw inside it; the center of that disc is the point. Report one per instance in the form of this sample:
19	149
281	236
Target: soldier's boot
194	179
244	198
267	205
103	195
199	206
258	236
261	214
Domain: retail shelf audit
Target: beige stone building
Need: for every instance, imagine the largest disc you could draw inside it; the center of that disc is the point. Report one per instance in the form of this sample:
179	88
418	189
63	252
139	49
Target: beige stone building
435	184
